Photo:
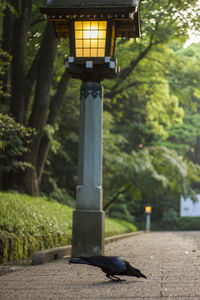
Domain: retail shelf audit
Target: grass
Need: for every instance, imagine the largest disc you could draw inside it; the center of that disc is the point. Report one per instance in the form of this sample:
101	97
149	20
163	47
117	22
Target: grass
29	224
26	215
23	214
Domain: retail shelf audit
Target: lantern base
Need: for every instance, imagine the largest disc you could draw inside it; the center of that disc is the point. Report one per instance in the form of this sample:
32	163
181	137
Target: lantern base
91	69
88	233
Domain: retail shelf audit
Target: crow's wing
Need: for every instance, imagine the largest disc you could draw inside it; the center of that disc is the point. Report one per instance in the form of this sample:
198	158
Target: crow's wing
78	260
111	263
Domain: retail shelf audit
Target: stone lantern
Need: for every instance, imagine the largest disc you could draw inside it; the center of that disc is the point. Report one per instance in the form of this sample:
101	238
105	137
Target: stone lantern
92	27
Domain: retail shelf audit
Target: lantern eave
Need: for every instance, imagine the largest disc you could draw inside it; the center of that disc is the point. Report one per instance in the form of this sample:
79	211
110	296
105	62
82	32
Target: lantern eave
87	10
91	3
96	6
93	55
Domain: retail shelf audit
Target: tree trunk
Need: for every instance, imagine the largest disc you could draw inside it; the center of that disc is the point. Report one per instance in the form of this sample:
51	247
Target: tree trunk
30	82
8	22
7	37
55	106
40	108
196	156
21	26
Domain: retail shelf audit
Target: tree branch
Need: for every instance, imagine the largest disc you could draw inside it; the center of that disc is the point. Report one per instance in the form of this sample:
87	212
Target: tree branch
55	107
114	198
30	82
126	71
40	109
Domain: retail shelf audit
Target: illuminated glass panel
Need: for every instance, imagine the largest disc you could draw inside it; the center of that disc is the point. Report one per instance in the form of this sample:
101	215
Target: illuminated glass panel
90	38
113	41
148	209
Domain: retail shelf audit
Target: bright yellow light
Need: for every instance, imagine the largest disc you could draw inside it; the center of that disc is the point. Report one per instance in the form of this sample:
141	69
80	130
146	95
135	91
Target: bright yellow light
147	209
90	38
90	31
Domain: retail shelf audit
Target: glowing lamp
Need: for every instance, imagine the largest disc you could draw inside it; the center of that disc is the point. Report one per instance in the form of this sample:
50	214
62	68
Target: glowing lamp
90	38
148	209
92	27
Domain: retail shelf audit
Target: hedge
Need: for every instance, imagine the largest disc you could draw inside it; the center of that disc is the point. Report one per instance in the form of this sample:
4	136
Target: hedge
29	224
16	247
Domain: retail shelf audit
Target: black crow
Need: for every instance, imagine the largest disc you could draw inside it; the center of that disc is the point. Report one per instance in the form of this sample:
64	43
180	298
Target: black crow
111	265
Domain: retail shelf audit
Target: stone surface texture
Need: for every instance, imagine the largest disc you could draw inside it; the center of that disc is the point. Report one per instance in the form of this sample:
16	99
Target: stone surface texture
170	260
88	218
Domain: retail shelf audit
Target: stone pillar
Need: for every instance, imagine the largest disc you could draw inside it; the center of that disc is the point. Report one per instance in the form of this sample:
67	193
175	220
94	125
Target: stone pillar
88	218
148	222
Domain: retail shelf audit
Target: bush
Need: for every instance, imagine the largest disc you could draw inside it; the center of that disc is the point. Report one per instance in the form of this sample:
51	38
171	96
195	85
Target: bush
120	211
61	196
115	227
16	246
23	214
170	219
189	223
28	224
14	140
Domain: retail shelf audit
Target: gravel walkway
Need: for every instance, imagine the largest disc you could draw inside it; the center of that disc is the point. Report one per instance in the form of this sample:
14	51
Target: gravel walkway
170	260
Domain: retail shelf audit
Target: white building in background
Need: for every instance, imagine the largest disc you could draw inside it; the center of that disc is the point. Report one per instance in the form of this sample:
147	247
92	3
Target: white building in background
188	208
194	37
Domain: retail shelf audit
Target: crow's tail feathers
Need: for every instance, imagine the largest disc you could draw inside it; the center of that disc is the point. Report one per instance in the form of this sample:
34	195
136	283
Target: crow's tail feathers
78	260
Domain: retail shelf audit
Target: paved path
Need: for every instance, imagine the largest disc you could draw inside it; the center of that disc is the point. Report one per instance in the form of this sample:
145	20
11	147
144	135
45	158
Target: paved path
171	262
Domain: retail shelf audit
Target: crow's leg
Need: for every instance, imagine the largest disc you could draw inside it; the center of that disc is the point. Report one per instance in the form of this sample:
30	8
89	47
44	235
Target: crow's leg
117	278
114	278
110	277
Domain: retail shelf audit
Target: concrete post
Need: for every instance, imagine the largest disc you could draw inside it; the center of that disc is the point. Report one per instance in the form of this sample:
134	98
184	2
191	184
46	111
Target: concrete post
148	222
88	218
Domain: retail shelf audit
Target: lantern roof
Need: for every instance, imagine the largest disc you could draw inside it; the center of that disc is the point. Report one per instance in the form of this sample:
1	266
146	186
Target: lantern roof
91	3
91	6
124	12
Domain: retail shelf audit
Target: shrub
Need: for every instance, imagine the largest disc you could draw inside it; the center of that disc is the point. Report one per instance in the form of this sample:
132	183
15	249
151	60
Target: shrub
189	223
170	219
28	224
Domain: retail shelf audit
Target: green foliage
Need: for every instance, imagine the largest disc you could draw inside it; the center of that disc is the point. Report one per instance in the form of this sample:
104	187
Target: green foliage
35	33
121	210
160	106
150	110
185	85
16	246
144	109
28	224
112	154
189	223
4	4
49	132
116	226
167	20
155	175
14	140
23	214
4	68
61	196
61	166
182	137
170	219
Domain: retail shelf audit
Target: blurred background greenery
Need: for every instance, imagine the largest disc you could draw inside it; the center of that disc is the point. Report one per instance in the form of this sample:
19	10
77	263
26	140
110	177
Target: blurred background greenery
151	138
